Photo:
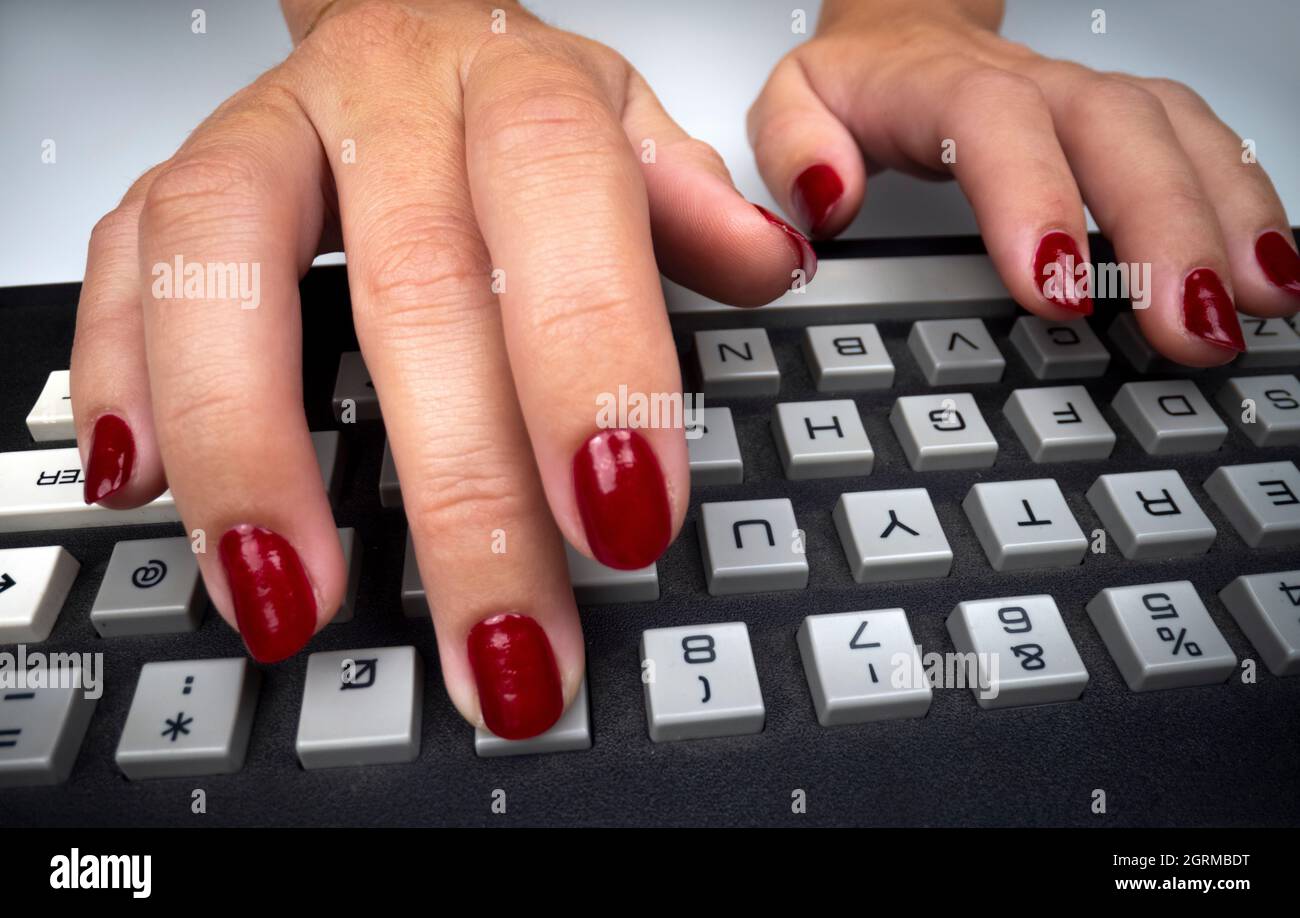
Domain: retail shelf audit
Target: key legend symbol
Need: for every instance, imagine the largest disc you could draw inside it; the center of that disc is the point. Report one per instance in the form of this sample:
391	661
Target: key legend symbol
189	685
149	574
1179	641
174	728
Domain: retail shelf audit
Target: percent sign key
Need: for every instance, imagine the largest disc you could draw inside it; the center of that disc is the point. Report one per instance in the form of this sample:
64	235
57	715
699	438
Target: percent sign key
1179	641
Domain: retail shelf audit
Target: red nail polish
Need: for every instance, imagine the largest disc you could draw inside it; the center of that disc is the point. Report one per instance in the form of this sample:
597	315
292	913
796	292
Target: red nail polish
1056	273
802	247
816	192
275	608
622	499
518	682
1280	262
112	456
1208	312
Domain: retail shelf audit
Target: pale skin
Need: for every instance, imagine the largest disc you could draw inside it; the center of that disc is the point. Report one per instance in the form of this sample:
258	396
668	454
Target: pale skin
522	151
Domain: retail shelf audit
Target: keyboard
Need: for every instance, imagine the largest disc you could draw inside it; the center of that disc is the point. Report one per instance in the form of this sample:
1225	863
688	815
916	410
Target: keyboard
945	564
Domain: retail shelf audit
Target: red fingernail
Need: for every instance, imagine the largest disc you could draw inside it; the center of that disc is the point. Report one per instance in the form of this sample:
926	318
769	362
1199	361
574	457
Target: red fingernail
802	247
1280	262
518	682
816	191
1057	264
112	456
275	608
1208	312
622	499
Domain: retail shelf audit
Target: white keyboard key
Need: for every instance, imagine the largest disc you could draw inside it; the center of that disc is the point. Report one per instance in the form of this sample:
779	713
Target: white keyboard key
1025	524
714	456
361	707
851	660
1266	608
1023	652
352	551
1129	340
189	718
847	358
355	398
955	352
821	440
1151	515
939	432
736	363
152	586
1160	636
43	489
595	584
700	681
414	602
571	733
43	719
1265	408
51	417
1261	500
1059	350
1169	417
390	489
1269	343
751	546
891	535
34	582
1059	424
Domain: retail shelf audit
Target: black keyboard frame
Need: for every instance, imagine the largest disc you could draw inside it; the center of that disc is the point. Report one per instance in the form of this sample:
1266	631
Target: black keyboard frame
1214	755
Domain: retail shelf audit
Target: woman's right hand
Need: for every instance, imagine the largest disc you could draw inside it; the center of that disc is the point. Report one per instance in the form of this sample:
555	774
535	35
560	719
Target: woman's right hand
503	191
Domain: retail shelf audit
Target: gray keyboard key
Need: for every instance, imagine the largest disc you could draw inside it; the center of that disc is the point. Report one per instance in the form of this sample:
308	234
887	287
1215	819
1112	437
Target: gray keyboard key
851	661
414	602
596	584
44	489
1160	636
1151	515
152	586
1169	417
1025	524
821	439
51	417
751	546
189	718
352	552
736	363
1129	340
361	707
355	398
1265	408
571	733
1059	424
715	455
862	289
700	681
1269	343
34	582
891	535
955	352
43	719
1266	608
390	489
1059	350
1261	500
939	432
1022	651
847	358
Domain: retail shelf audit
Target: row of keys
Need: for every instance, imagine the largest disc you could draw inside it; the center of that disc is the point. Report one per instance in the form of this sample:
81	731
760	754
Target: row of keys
151	586
733	363
43	490
363	707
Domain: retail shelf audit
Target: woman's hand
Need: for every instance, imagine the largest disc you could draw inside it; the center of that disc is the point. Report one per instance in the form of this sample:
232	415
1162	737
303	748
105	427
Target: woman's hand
927	87
496	185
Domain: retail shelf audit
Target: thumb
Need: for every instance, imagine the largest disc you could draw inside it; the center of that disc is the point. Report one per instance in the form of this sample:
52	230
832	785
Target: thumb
808	159
706	235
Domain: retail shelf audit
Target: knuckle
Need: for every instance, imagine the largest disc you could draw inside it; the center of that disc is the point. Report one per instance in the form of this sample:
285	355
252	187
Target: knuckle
369	28
199	416
560	114
1176	92
1105	96
460	494
976	89
203	189
114	230
420	258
